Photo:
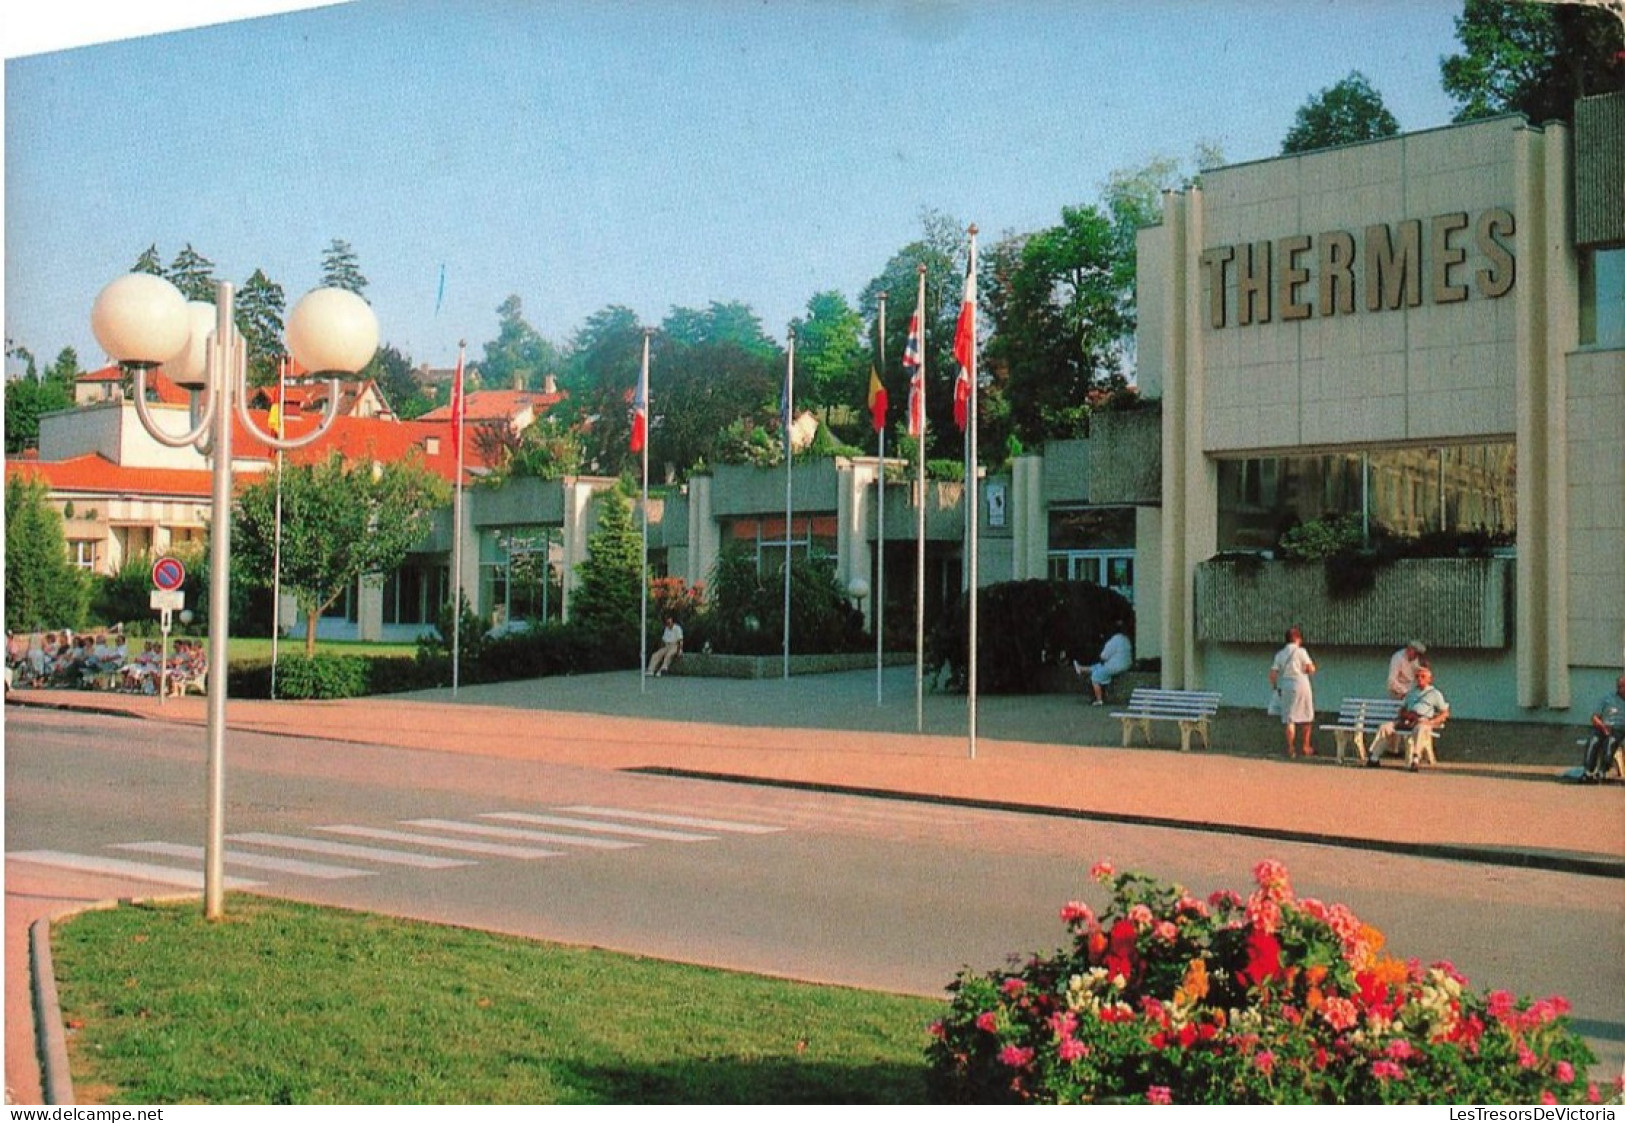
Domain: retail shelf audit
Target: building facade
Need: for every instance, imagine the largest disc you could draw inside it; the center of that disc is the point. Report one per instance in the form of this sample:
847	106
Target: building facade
1411	330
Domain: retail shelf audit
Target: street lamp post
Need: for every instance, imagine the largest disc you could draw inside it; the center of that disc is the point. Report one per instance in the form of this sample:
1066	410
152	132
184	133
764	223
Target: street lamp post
143	321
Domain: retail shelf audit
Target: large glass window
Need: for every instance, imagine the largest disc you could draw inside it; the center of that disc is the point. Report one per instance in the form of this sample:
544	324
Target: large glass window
519	573
1408	492
813	536
413	594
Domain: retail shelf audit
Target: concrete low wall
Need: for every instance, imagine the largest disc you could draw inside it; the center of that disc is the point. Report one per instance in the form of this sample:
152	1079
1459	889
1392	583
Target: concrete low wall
700	665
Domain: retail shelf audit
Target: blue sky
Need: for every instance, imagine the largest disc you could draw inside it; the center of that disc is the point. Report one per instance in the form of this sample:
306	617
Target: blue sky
652	153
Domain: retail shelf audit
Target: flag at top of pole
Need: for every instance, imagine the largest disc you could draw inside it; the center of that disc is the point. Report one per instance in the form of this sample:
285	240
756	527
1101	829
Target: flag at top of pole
457	406
640	405
965	346
916	382
877	401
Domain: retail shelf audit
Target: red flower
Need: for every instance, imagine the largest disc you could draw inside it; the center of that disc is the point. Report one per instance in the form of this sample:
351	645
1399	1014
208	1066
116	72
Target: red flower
1121	956
1263	959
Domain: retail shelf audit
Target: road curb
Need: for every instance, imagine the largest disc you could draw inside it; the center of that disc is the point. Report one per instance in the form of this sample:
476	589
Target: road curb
50	1038
1583	865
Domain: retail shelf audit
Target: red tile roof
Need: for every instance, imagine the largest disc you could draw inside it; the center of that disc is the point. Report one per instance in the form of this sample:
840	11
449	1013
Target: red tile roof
158	384
498	405
97	475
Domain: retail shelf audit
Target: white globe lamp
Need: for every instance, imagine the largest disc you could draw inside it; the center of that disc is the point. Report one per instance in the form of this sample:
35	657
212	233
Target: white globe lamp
332	330
140	320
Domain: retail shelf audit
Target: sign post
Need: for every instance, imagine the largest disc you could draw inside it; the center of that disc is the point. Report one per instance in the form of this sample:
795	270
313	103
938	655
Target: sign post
168	575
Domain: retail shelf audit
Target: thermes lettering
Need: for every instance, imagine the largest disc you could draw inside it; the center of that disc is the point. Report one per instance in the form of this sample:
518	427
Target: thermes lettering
1389	266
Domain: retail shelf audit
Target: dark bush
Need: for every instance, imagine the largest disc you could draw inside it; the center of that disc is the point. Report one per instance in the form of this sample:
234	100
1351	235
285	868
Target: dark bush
1024	627
746	609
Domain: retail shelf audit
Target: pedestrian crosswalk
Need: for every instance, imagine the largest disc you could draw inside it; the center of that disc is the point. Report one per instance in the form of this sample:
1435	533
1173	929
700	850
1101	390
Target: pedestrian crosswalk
338	851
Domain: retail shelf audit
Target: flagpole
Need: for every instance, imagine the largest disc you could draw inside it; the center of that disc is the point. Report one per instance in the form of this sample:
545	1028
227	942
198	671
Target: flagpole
973	512
643	584
789	460
457	403
919	515
880	534
276	549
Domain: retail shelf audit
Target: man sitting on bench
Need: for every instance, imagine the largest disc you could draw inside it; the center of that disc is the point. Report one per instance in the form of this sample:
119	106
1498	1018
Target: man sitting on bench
1423	710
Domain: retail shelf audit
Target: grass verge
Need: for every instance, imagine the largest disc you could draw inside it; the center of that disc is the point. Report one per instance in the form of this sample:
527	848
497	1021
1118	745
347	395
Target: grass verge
290	1003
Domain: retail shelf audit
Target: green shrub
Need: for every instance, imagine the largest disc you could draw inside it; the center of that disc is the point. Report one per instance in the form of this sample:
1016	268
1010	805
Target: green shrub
1323	538
1173	999
1024	627
745	615
323	676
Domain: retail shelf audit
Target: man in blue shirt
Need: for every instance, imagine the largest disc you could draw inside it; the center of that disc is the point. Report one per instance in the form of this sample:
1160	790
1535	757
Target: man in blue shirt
1608	727
1423	710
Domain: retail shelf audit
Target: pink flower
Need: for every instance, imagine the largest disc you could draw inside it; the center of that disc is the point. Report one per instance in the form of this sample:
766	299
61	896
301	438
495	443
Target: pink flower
1015	1057
1387	1070
1102	871
1071	1049
988	1022
1076	912
1526	1056
1158	1094
1014	986
938	1030
1400	1050
1546	1096
1264	1061
1339	1013
1165	931
1271	877
1063	1024
1499	1003
1140	915
1565	1072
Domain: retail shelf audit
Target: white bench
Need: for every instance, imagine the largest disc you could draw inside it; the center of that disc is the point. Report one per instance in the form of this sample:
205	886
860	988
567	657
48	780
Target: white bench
1357	721
1194	710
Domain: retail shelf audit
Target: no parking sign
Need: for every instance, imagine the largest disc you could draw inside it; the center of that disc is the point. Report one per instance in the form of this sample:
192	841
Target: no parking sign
168	574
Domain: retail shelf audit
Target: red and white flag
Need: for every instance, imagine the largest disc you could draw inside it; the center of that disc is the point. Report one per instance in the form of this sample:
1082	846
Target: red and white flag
965	347
640	406
457	408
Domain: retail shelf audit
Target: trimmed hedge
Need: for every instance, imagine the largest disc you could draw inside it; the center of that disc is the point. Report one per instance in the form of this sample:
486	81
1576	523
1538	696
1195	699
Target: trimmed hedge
1023	628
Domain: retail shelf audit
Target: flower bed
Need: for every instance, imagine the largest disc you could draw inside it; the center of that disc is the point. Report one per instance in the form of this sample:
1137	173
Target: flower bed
1269	999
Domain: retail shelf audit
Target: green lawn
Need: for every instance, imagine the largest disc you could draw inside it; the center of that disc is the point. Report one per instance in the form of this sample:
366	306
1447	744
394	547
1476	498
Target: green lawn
255	649
288	1003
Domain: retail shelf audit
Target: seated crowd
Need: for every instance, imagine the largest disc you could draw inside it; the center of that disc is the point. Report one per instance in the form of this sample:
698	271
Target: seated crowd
103	661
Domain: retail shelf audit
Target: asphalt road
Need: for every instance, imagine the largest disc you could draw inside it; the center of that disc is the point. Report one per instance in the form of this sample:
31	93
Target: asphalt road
827	887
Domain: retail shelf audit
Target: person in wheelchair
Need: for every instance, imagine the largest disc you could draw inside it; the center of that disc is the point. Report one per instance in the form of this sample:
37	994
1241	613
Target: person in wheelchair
1607	734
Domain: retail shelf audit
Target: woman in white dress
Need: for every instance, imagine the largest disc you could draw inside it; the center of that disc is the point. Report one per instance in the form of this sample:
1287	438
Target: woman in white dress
1289	675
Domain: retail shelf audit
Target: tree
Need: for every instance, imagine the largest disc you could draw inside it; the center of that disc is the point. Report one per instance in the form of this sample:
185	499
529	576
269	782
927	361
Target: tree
519	355
340	522
546	449
341	269
1060	312
601	377
699	389
149	262
193	274
43	589
1534	59
1345	113
27	398
607	597
259	307
942	248
392	370
832	361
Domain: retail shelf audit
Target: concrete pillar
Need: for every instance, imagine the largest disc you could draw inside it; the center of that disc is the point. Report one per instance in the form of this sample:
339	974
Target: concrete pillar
704	537
1029	521
578	524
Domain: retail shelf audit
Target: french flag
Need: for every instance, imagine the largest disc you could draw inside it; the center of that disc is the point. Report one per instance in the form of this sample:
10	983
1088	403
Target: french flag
640	406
